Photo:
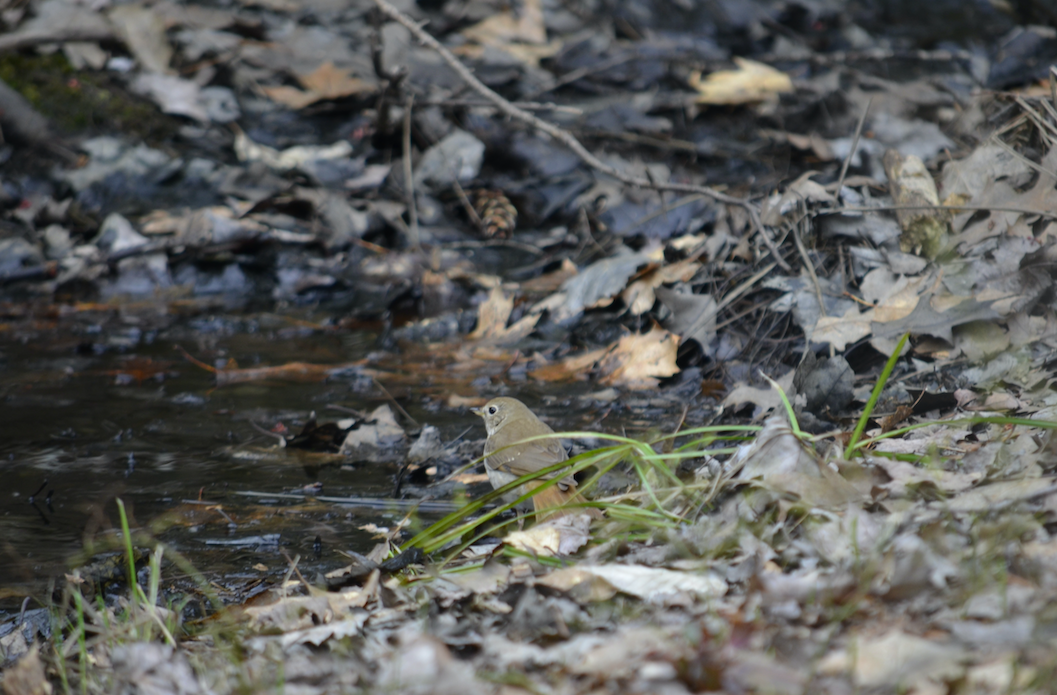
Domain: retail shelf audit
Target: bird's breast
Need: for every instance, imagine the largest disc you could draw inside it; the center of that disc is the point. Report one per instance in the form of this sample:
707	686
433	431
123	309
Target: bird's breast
499	478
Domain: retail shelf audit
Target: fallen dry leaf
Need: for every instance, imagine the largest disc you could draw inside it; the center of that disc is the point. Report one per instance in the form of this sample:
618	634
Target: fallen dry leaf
143	31
492	316
523	36
332	82
972	227
550	282
640	294
593	288
562	535
749	83
987	497
894	298
637	360
490	578
765	399
839	331
575	367
26	676
300	612
781	462
799	193
290	96
292	371
457	401
652	584
504	27
896	660
249	151
905	475
693	315
325	82
379	431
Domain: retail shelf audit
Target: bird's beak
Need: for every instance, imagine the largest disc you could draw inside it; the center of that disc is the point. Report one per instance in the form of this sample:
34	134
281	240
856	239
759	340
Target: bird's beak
477	411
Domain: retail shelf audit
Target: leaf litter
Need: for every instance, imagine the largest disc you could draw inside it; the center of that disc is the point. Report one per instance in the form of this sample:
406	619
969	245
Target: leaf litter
924	566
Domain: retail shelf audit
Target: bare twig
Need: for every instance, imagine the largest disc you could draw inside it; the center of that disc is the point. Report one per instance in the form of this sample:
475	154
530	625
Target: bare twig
368	502
660	143
392	400
741	314
566	138
744	287
952	208
345	409
409	181
26	39
292	565
37	272
268	433
842	58
489	243
663	210
1053	85
466	204
19	118
526	105
1040	123
391	79
854	146
1020	157
809	266
579	73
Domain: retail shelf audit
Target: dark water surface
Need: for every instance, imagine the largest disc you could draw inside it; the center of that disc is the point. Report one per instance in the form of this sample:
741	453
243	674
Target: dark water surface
100	404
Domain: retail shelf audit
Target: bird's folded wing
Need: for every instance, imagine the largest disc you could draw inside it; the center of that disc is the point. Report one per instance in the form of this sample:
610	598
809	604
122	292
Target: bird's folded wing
528	458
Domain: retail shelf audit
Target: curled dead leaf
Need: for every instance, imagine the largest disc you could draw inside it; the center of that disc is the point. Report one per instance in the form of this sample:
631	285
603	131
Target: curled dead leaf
492	317
635	361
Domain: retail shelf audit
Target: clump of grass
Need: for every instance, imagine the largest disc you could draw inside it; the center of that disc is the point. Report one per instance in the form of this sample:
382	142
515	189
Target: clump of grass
85	627
663	500
858	445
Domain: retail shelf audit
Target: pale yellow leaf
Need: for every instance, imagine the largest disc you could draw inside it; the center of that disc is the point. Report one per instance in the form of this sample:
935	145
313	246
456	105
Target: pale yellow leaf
750	82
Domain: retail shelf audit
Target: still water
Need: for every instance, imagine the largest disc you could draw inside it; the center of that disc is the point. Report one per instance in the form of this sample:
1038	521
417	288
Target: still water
100	404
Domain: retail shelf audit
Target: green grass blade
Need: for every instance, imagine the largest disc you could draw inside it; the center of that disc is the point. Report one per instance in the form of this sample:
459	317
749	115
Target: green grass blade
875	395
787	405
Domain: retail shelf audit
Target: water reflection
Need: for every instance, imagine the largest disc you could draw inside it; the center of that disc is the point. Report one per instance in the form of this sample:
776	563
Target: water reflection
94	411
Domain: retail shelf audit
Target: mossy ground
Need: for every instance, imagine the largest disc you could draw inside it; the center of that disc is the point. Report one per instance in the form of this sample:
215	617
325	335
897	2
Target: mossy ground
82	102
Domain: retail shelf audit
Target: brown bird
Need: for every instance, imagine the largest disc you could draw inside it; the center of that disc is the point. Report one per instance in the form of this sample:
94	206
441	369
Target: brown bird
509	422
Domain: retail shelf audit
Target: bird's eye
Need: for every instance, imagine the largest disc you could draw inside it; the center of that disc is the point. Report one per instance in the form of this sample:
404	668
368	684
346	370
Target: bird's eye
491	411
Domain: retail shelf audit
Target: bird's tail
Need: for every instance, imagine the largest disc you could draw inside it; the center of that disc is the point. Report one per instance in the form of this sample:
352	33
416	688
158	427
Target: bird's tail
553	501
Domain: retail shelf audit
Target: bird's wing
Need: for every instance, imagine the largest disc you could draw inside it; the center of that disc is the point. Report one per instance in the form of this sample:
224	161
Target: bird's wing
528	458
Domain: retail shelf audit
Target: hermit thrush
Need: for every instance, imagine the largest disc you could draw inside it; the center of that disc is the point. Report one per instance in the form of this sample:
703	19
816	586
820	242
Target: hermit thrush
509	422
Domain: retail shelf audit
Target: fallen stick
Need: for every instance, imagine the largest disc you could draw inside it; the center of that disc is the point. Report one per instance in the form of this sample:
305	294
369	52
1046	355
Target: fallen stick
567	138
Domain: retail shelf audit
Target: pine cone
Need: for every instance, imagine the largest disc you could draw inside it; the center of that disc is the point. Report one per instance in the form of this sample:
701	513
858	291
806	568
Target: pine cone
498	215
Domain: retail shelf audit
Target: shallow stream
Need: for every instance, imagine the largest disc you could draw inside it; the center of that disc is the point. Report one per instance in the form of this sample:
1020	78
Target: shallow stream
101	405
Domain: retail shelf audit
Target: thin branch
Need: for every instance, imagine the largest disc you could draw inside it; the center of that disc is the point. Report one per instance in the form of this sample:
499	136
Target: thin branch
579	73
409	178
744	287
26	39
466	205
951	208
527	105
44	271
392	400
854	146
268	433
567	138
